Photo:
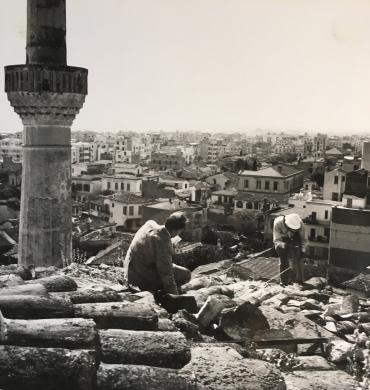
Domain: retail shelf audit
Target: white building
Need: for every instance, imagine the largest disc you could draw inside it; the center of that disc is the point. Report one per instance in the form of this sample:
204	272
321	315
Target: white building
132	169
78	169
177	183
122	182
334	184
11	147
85	152
125	210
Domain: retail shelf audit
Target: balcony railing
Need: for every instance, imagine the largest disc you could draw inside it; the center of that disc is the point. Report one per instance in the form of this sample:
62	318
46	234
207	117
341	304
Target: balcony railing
311	220
322	239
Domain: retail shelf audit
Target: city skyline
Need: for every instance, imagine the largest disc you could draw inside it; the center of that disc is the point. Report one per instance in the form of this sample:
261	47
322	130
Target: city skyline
216	67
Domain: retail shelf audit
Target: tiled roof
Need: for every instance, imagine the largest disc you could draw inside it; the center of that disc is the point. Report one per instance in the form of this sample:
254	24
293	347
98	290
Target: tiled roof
170	177
333	151
265	268
360	283
226	192
255	197
128	197
123	176
280	170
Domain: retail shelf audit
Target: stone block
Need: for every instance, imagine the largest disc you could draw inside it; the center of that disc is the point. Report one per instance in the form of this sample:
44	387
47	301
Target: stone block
220	368
318	380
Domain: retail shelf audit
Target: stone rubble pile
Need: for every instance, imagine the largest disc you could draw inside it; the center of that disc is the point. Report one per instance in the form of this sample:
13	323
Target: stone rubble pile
81	328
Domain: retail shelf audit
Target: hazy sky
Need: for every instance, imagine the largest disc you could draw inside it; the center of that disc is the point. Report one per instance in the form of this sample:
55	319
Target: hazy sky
211	64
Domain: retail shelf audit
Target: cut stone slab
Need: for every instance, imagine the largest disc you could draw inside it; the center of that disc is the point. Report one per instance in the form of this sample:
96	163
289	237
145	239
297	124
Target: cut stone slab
318	380
294	303
222	368
137	377
310	304
316	282
241	322
28	368
56	283
350	304
314	363
119	315
202	294
339	350
10	280
158	349
201	282
289	309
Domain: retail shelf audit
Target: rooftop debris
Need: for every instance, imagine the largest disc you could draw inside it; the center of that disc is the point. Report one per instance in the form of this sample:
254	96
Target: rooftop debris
249	333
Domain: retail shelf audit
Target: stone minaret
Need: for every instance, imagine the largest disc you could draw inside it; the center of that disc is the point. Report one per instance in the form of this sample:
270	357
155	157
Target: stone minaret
47	94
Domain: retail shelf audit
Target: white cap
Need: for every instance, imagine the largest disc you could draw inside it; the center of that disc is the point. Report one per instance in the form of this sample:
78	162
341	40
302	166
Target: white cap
293	221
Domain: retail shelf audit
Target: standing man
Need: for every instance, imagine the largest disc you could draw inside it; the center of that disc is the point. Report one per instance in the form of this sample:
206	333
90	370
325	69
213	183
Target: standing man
148	262
289	242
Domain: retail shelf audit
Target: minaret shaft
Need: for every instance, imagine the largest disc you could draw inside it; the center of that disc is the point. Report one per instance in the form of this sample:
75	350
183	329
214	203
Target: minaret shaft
46	32
47	95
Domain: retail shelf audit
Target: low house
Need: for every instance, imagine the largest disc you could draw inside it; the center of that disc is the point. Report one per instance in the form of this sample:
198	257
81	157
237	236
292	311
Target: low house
279	180
122	183
85	185
224	197
196	215
223	180
126	210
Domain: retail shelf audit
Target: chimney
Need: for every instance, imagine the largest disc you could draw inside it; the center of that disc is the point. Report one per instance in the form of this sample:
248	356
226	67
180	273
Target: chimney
365	162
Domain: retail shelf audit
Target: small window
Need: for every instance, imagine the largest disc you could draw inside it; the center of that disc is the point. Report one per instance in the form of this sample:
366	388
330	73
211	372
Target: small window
334	196
246	183
122	186
267	185
116	186
258	184
128	186
124	210
140	210
335	179
276	183
239	204
108	185
131	210
112	204
326	214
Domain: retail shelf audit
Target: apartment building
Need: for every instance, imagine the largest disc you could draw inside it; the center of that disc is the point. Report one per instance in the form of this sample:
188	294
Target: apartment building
349	244
211	150
11	147
165	161
317	227
82	152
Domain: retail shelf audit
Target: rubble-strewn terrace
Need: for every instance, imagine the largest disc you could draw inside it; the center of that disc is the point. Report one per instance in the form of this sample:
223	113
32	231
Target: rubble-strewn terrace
82	328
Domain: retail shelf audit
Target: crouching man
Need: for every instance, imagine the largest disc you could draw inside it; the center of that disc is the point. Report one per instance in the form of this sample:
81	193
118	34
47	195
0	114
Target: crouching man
289	242
148	262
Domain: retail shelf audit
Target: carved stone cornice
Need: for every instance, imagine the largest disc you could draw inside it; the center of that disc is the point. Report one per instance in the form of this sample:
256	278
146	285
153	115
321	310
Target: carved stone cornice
46	78
47	108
